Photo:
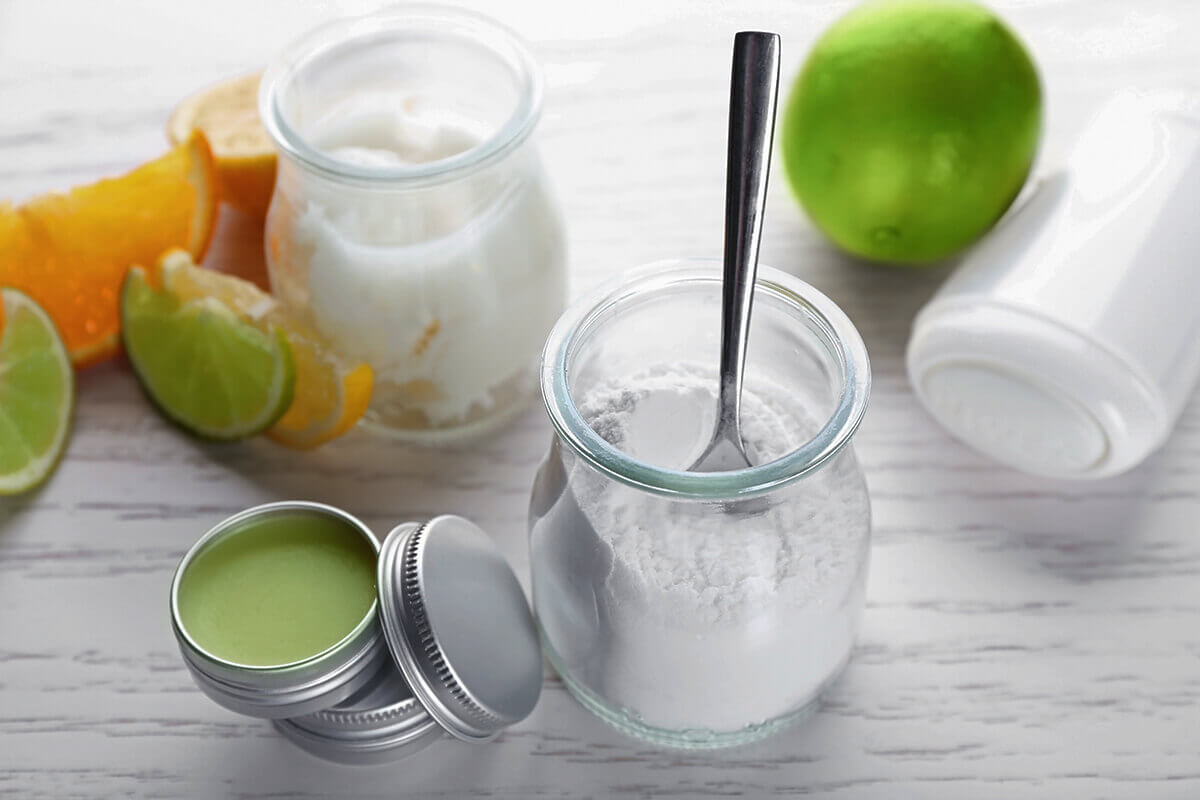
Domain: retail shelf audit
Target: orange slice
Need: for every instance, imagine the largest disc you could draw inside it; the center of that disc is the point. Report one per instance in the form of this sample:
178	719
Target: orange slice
330	395
70	251
227	113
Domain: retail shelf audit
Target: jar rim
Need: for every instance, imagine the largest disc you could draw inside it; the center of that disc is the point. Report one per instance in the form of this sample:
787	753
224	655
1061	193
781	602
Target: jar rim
446	21
829	323
229	526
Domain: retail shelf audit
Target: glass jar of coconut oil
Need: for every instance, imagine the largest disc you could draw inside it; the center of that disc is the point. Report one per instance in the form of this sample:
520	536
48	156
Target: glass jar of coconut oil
412	223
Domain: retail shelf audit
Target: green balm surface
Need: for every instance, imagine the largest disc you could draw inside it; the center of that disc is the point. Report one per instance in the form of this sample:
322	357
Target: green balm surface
280	589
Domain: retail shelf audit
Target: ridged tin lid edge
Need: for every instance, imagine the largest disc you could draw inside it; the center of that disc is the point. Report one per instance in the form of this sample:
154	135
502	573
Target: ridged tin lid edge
445	639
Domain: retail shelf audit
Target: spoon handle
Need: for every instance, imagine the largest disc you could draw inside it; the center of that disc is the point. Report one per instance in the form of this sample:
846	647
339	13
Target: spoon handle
752	96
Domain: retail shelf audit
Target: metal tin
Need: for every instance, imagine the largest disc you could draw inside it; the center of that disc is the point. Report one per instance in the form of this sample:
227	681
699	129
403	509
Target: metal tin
458	626
449	646
293	689
381	722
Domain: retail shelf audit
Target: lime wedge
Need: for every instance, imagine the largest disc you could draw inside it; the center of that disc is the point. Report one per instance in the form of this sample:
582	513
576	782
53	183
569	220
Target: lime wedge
206	369
37	394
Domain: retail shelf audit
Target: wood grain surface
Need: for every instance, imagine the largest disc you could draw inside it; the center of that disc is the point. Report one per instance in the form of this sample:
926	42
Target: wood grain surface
1023	638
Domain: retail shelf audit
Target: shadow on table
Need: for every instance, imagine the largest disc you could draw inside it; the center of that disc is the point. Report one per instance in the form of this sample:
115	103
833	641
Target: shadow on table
1087	532
373	476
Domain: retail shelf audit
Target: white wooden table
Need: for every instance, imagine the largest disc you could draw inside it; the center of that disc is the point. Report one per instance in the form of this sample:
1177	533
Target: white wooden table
1023	638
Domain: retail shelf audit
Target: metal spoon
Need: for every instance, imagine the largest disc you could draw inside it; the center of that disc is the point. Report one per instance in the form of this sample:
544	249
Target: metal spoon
752	97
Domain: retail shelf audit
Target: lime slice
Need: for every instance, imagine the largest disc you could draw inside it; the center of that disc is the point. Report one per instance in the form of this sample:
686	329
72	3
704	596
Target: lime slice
331	394
37	394
210	372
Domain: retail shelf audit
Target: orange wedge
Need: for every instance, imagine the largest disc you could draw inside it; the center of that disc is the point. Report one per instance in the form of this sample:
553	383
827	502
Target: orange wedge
227	114
330	395
70	251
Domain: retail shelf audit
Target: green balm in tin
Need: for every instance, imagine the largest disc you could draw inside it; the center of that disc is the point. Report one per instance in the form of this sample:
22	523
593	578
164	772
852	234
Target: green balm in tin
277	590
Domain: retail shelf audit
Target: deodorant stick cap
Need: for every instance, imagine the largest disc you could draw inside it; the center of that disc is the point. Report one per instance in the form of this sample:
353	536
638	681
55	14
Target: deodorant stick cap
1030	393
1068	342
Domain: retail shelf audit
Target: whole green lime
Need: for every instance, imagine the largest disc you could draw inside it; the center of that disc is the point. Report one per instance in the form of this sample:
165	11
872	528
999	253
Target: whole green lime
911	128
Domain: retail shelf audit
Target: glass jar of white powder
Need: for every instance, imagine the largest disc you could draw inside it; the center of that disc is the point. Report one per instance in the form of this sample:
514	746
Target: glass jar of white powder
412	223
699	610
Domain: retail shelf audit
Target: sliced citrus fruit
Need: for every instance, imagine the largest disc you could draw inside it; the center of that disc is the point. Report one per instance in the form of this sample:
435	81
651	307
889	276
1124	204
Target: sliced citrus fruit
70	251
331	394
327	408
205	368
37	394
227	113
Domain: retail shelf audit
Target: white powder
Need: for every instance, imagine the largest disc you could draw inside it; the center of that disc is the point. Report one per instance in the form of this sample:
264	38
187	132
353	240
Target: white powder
691	615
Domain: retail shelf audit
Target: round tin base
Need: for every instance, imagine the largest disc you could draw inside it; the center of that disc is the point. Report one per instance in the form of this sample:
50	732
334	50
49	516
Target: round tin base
381	723
690	739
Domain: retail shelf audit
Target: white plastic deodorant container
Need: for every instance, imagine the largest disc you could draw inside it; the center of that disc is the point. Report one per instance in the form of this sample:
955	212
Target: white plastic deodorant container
1069	341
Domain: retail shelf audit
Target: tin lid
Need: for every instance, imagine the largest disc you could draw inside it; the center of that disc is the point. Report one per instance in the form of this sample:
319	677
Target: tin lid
458	626
380	722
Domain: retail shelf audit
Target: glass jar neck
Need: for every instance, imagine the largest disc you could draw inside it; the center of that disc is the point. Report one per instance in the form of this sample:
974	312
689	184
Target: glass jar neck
823	322
338	57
